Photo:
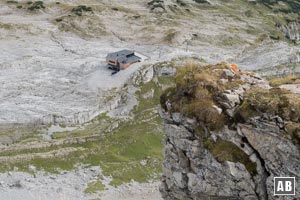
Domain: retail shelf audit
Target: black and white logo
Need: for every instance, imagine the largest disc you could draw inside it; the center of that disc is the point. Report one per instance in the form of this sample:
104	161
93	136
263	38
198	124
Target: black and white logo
284	185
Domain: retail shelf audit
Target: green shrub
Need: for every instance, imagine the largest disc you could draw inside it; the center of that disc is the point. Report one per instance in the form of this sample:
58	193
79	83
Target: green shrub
79	10
12	2
201	1
94	187
36	6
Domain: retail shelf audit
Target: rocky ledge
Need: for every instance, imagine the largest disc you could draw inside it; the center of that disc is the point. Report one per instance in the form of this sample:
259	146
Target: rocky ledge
228	134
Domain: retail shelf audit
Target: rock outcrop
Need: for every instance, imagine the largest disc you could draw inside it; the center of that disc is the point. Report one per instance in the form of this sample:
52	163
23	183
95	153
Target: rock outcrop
228	135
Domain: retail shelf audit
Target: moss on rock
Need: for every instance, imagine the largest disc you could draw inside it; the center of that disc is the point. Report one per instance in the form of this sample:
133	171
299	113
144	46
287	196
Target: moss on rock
227	151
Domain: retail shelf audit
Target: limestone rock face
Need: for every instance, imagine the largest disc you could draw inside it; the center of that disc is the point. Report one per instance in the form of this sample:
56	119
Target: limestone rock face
195	168
281	156
191	171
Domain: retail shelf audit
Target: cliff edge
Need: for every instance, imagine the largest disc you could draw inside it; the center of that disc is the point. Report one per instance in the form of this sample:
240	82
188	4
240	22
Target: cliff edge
228	134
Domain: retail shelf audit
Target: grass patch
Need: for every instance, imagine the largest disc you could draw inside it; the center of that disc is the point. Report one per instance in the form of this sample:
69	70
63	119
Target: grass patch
60	135
227	151
12	2
136	140
50	165
273	102
289	79
124	174
119	153
94	187
166	80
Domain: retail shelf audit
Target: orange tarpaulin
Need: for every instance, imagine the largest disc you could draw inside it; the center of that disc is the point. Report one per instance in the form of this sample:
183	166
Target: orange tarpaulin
235	68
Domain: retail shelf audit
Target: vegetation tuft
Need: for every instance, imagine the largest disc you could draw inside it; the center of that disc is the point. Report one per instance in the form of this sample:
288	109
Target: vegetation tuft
201	1
93	187
274	102
196	93
289	79
36	5
79	10
156	4
227	151
12	2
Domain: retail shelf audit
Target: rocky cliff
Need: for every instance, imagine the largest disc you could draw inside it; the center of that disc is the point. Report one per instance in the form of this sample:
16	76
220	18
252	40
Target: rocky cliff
228	134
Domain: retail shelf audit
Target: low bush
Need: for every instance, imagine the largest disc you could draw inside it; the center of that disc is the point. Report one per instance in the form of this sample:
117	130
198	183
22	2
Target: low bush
12	2
201	1
79	10
36	6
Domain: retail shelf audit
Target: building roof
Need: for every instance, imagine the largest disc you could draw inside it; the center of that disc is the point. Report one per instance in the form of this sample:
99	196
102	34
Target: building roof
124	56
119	54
